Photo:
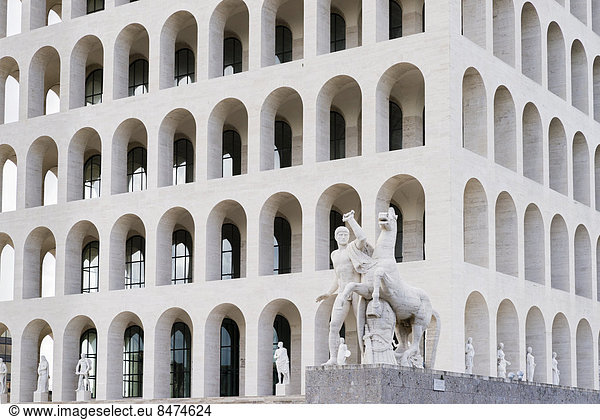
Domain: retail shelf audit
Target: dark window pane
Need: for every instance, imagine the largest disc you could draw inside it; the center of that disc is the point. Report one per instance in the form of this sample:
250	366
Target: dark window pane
230	251
337	136
232	154
283	44
229	360
232	56
184	67
395	131
395	30
138	77
335	220
337	32
282	244
183	162
133	357
283	145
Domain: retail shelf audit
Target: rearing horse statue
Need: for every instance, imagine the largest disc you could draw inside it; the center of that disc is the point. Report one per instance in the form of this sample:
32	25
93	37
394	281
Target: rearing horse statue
381	280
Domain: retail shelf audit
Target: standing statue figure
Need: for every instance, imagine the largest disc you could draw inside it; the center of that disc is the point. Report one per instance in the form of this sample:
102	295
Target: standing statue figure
342	352
555	371
379	334
282	363
345	260
469	356
372	274
502	362
3	373
530	367
43	375
83	368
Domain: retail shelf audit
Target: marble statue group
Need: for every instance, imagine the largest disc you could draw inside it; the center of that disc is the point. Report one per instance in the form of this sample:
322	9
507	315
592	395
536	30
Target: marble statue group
367	280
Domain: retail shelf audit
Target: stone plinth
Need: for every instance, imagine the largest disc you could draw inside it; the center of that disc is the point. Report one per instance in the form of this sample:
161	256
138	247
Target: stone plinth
41	396
281	390
387	384
83	396
3	398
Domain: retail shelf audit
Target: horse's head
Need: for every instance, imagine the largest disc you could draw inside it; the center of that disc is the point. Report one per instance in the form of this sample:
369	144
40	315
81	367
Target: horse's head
387	220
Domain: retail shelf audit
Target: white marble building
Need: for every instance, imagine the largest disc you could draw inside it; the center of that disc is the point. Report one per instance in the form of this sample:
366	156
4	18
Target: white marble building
479	123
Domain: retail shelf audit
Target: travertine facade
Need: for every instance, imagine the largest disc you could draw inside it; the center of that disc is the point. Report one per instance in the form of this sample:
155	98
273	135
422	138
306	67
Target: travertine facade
500	213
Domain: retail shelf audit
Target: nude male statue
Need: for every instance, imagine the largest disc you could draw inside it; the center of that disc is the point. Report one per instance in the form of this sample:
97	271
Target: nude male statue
345	273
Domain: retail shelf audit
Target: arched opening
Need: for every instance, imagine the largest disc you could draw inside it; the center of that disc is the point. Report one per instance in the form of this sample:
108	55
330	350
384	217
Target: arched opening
177	138
40	245
584	348
178	45
506	236
477	326
581	169
225	347
175	233
131	62
7	268
474	113
535	259
281	129
531	43
37	342
9	90
8	179
533	150
504	30
129	157
535	337
42	158
557	63
79	337
337	137
559	254
507	332
561	344
87	72
84	166
402	85
227	140
127	257
226	241
44	83
579	77
339	25
557	142
473	21
583	263
82	262
505	129
228	38
280	235
284	19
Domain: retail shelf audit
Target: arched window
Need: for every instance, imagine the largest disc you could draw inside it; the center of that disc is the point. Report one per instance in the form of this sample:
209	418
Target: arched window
281	332
399	234
181	257
230	359
337	33
136	169
181	360
232	56
283	145
395	117
232	153
91	177
230	252
335	220
94	6
283	44
337	136
395	15
138	77
88	345
282	246
183	162
135	250
93	88
185	67
133	362
90	267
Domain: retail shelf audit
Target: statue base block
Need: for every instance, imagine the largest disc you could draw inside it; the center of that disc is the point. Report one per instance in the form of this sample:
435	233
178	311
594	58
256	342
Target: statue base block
389	384
3	398
41	397
83	396
281	390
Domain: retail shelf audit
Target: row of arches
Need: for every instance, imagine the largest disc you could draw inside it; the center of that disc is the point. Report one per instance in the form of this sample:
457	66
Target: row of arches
574	344
559	54
228	52
538	140
400	98
129	245
546	245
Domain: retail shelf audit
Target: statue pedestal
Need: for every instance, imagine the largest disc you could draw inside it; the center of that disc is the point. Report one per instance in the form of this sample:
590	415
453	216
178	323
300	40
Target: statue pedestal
83	396
40	397
3	398
281	390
